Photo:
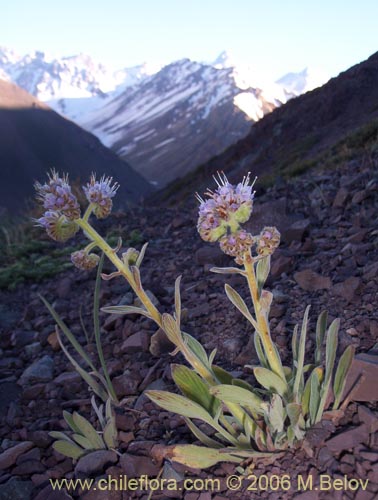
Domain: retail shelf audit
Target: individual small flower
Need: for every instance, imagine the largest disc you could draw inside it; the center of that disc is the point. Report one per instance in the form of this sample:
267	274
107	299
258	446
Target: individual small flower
56	195
100	194
236	244
83	260
58	226
267	241
131	256
226	208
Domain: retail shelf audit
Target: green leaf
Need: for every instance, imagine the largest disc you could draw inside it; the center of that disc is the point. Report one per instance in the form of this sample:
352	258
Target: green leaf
275	415
193	387
222	375
110	434
226	270
331	347
270	381
314	397
68	449
201	436
294	345
238	395
199	457
196	348
341	374
87	430
141	255
125	310
178	300
239	303
171	329
262	272
83	441
70	422
260	351
301	353
321	328
294	411
179	404
69	335
60	435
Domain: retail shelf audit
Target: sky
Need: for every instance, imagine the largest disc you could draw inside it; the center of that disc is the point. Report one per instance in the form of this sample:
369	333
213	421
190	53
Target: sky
272	36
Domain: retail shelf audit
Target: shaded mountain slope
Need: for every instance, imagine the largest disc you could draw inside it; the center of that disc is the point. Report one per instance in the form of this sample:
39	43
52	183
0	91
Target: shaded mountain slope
33	139
304	131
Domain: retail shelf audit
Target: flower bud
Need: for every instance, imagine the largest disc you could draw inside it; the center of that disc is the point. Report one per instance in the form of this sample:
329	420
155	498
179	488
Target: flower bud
130	257
58	226
236	244
267	241
82	260
100	194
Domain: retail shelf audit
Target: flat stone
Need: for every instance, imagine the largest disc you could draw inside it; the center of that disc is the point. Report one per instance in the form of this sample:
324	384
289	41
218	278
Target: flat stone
367	364
160	344
28	468
125	385
132	465
9	456
137	342
9	392
67	378
21	338
296	231
49	494
340	198
311	282
348	439
40	371
95	462
210	255
348	288
280	265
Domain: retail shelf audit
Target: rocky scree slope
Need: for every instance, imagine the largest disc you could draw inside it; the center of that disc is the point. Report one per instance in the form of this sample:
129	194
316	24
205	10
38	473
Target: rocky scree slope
328	258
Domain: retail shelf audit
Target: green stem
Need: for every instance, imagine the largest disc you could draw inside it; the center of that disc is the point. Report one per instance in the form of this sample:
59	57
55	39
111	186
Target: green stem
262	323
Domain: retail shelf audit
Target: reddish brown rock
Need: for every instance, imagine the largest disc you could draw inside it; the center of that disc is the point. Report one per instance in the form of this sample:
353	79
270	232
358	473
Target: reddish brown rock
9	456
311	282
348	288
365	364
348	439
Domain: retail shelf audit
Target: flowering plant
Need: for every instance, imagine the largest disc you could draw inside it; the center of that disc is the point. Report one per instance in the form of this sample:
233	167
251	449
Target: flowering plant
245	420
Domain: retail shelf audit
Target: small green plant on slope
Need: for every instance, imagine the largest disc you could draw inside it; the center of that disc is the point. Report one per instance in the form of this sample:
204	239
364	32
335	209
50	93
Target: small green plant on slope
247	421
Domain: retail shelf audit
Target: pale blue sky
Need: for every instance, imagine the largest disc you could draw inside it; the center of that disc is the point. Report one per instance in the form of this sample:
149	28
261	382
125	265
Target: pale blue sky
274	36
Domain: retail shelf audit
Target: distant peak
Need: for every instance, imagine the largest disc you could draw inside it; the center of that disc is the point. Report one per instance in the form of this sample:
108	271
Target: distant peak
224	60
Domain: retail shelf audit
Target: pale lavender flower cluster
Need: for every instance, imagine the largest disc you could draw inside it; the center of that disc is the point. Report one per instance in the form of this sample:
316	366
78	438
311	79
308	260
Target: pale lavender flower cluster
226	208
100	194
56	195
267	241
236	244
58	226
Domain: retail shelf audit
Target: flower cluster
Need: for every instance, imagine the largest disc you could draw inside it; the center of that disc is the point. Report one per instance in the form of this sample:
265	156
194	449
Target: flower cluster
267	241
226	208
84	260
56	195
58	226
100	194
236	244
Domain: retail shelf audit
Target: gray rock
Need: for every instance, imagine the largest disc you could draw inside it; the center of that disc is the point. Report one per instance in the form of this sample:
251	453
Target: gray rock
9	456
9	392
40	371
16	490
95	462
348	288
21	338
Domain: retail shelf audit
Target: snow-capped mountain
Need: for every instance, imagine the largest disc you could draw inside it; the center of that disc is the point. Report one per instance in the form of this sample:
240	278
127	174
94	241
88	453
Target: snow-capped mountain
164	121
303	81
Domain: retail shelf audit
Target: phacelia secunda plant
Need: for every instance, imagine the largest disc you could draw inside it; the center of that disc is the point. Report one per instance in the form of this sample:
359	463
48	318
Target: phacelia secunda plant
247	418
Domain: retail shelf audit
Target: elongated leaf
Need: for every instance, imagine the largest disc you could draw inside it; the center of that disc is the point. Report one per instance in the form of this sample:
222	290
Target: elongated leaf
93	384
294	346
196	348
121	310
69	335
212	356
136	276
301	353
201	436
87	430
314	397
193	387
294	411
260	351
70	421
226	270
321	328
331	347
68	449
239	303
110	434
141	255
222	375
60	435
171	329
243	384
83	441
178	300
238	395
341	374
269	380
200	457
306	396
262	272
179	404
276	414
